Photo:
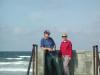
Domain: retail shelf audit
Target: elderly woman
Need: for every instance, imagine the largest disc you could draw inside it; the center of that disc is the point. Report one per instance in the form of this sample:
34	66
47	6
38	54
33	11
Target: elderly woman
66	52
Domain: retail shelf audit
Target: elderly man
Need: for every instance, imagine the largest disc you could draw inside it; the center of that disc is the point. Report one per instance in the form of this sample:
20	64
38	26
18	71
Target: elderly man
66	52
48	45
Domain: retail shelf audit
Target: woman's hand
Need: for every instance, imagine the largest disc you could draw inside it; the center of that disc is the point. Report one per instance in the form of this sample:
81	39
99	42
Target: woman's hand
69	58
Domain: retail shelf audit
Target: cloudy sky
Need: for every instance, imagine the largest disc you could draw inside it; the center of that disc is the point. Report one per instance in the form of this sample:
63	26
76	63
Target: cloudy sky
22	22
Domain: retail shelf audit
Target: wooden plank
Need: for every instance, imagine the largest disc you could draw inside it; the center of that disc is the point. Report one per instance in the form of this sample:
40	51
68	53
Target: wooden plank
40	62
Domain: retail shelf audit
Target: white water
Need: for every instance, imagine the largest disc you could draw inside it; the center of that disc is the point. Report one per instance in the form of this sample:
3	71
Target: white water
14	63
14	58
14	69
24	56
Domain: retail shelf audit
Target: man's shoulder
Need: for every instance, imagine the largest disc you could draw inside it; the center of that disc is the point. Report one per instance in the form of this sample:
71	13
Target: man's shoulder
42	39
50	38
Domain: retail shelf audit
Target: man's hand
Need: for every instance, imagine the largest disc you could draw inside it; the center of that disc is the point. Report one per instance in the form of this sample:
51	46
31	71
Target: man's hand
44	48
49	49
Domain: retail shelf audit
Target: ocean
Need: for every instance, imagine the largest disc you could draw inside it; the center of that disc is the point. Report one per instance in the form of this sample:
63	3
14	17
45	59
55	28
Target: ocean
14	63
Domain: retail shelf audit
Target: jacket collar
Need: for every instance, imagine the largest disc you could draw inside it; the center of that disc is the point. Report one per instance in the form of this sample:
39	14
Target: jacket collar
65	41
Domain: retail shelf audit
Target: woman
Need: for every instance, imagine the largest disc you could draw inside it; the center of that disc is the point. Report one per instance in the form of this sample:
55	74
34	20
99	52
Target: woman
66	52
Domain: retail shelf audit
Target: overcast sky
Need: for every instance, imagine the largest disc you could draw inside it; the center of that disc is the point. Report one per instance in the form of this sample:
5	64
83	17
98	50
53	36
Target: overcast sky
22	22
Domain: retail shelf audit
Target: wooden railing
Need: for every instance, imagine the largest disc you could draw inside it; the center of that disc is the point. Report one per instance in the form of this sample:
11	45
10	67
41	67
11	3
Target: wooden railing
34	59
95	59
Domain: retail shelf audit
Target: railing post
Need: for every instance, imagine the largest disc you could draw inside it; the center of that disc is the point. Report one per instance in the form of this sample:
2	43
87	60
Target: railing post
35	59
95	59
32	57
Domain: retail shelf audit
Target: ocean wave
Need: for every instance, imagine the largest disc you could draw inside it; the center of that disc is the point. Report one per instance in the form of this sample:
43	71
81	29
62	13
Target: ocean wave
13	58
24	56
14	63
15	69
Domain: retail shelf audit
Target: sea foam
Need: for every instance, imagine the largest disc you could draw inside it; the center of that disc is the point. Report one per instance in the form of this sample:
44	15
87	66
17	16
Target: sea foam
13	63
15	69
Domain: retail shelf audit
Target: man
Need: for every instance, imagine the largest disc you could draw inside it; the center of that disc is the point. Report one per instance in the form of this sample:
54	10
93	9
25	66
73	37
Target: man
66	52
48	45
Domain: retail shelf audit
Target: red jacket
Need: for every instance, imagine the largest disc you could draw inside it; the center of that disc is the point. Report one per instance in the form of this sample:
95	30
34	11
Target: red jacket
66	48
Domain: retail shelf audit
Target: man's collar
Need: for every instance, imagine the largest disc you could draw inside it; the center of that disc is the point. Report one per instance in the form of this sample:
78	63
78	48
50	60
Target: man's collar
46	38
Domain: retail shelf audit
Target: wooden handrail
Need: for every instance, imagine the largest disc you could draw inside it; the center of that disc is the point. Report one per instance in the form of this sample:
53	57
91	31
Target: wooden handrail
33	55
95	59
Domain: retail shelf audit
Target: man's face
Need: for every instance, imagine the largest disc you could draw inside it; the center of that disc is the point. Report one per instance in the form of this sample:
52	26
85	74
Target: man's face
46	35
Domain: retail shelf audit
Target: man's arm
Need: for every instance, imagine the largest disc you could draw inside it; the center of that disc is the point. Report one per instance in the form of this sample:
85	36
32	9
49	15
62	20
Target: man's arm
43	45
44	48
49	49
54	45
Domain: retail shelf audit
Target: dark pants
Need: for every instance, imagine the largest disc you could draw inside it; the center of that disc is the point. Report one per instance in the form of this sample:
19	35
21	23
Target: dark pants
52	66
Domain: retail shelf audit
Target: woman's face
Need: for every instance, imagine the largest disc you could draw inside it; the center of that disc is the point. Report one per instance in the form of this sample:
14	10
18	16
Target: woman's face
64	38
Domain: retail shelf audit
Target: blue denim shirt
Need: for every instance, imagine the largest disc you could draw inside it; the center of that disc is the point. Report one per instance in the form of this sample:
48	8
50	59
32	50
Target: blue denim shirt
49	43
